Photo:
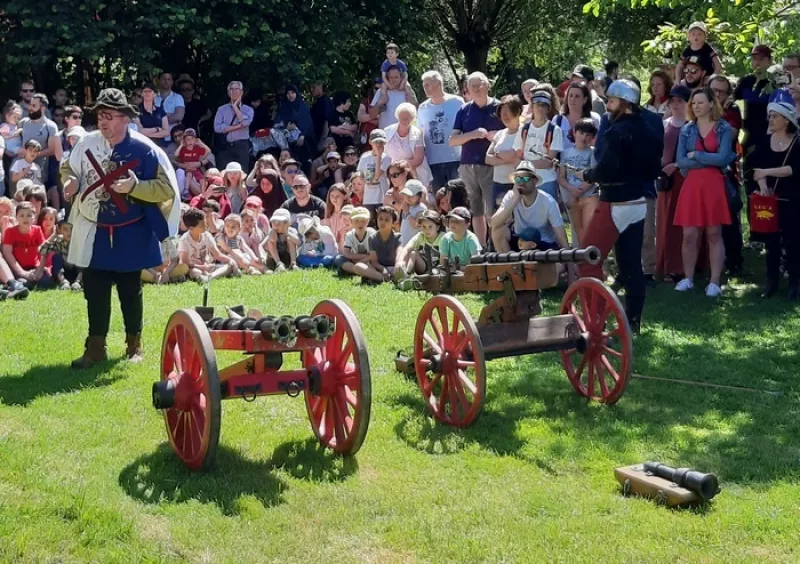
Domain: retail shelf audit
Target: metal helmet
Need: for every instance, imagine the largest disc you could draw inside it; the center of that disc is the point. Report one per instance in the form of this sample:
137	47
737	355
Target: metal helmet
625	90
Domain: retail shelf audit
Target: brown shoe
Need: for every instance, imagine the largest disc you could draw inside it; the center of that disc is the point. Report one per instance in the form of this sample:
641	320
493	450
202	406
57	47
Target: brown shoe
134	351
94	352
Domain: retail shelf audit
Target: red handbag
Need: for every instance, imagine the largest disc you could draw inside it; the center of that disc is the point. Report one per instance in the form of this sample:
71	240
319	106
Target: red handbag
763	213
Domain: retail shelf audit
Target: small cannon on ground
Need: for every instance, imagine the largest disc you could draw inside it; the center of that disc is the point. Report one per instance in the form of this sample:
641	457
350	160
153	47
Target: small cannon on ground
668	486
450	350
334	378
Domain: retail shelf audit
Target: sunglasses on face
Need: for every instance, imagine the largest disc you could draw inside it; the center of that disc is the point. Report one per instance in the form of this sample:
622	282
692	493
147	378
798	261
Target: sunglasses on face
692	71
300	187
395	174
75	116
292	171
522	179
27	90
349	154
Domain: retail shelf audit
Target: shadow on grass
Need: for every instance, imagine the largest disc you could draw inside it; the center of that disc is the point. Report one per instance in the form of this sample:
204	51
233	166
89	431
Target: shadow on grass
161	477
48	380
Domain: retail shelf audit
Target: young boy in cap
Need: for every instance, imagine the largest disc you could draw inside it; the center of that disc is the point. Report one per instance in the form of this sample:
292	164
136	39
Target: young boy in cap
527	208
126	201
412	207
355	248
280	245
459	244
702	53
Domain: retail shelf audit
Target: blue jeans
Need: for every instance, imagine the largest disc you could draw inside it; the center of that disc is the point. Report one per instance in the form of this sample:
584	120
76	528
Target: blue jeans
443	173
305	261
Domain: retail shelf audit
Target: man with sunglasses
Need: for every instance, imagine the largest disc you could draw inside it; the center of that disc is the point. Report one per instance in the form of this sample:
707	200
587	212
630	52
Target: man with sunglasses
125	202
303	201
527	215
26	91
695	73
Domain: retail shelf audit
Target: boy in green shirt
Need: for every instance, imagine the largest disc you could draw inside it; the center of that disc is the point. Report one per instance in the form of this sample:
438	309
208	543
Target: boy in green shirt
459	242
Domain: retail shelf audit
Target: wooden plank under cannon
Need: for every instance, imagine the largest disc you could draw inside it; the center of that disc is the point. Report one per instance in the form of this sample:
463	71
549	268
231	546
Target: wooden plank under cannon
535	335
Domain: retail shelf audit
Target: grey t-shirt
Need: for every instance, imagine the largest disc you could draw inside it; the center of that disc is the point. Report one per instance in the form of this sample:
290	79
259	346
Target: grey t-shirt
386	250
40	130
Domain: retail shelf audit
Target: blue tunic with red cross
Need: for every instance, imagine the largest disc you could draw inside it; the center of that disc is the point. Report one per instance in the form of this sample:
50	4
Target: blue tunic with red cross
129	230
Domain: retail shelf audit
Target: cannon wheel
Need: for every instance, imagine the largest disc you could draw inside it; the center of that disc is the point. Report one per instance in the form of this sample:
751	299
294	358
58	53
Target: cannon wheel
340	414
449	362
188	357
602	371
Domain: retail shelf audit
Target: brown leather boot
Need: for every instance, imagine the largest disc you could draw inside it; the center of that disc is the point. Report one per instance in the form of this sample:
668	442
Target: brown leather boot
94	352
134	351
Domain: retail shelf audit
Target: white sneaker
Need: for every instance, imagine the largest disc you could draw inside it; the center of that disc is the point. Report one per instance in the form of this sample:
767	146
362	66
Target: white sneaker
713	291
684	285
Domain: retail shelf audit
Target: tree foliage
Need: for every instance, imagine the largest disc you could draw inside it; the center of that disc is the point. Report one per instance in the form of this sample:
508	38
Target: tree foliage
734	25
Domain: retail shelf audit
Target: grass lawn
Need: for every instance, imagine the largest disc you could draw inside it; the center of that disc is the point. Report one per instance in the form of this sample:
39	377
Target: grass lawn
86	474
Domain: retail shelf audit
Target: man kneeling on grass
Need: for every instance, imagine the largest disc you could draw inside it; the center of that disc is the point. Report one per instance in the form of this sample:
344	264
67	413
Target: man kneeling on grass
197	247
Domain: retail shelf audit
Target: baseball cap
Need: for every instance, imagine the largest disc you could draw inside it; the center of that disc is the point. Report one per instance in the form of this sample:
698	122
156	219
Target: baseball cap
333	155
542	97
377	135
460	213
289	162
347	209
253	200
359	213
281	214
761	51
680	91
583	71
698	25
412	188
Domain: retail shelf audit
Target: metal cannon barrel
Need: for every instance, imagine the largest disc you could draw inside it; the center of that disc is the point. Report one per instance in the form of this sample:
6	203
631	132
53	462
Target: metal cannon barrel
704	485
589	255
317	327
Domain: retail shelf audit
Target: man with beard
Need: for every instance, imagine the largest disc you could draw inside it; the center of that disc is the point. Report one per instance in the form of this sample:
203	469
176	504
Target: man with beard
695	73
39	128
631	160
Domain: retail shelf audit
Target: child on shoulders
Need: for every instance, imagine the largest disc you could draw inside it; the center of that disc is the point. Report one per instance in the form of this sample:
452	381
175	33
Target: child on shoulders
392	60
705	54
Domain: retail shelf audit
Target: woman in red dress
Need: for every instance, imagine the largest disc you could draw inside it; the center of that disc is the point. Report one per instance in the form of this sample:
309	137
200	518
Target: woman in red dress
705	150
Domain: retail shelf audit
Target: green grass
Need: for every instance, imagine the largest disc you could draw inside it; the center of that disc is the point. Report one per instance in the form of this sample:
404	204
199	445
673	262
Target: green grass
86	476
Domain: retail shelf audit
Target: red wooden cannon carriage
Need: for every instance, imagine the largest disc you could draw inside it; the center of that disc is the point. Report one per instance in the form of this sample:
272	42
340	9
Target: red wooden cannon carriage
334	378
450	349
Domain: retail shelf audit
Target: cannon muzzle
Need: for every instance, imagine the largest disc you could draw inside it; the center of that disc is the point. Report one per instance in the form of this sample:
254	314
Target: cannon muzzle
704	485
318	327
281	329
589	255
164	394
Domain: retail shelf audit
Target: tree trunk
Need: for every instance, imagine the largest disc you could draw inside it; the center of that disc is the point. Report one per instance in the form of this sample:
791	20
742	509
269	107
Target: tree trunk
476	52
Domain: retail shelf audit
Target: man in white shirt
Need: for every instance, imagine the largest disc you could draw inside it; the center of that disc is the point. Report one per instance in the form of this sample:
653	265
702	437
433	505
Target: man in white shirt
172	102
528	215
389	97
436	117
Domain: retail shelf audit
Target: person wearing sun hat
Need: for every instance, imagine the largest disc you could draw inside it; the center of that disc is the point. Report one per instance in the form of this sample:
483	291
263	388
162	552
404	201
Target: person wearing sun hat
235	188
118	226
776	171
526	208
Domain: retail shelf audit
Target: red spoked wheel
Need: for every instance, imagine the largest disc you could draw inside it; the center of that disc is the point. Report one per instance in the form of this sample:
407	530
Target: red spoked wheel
448	359
340	413
189	360
601	372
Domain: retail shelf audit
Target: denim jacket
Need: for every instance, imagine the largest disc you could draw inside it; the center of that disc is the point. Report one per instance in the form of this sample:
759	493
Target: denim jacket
687	143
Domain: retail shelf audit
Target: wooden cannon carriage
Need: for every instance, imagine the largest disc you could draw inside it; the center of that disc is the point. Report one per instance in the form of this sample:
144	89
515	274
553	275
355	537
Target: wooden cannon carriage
334	378
450	349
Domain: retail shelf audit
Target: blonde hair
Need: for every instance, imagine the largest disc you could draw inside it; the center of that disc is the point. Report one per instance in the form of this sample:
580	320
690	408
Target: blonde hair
234	218
716	108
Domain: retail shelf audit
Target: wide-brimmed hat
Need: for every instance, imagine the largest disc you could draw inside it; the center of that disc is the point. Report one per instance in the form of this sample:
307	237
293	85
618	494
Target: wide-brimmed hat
232	166
525	168
307	224
184	78
115	99
784	109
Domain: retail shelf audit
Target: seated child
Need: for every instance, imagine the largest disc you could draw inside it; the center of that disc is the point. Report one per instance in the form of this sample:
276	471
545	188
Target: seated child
412	207
211	211
47	219
412	258
280	245
55	250
355	247
345	225
459	244
26	167
21	247
198	250
392	60
337	198
255	204
252	235
171	270
232	244
191	153
37	196
319	245
383	248
355	188
293	135
7	219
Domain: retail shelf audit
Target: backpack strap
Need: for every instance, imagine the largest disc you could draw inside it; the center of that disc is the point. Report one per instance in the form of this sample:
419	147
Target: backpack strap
548	136
524	132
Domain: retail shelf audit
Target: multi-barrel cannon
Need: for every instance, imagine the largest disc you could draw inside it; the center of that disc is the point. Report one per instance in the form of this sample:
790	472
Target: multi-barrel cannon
450	349
334	378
